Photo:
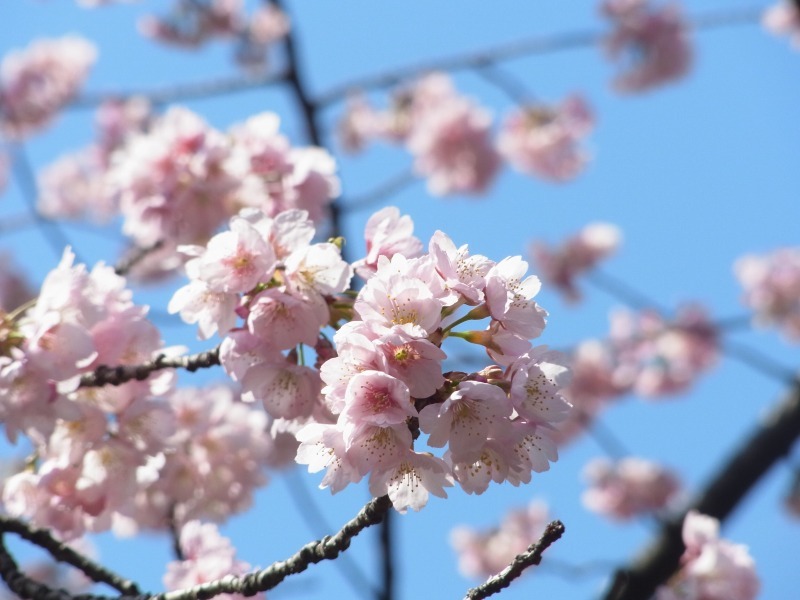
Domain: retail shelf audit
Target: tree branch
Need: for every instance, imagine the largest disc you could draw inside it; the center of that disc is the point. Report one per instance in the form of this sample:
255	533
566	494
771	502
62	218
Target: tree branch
767	444
327	548
105	375
63	553
533	556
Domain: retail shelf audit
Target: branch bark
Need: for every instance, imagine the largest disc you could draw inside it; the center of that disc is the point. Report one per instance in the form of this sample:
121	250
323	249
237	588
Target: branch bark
766	445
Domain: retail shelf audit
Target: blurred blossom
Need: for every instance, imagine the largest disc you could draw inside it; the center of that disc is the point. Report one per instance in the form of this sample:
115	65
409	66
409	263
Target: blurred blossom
712	568
771	285
482	554
37	82
651	43
560	266
545	140
14	288
784	19
628	488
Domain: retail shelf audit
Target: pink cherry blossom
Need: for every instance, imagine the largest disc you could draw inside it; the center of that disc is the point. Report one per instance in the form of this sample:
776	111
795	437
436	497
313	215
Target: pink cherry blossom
772	288
628	488
562	265
653	41
14	288
37	82
322	447
783	18
451	147
482	554
508	297
410	483
415	362
207	556
537	379
193	23
544	141
464	275
377	398
387	233
712	568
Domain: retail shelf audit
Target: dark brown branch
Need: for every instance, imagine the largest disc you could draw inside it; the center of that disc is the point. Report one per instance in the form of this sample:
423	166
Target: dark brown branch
533	556
327	548
766	445
63	553
387	558
134	257
105	375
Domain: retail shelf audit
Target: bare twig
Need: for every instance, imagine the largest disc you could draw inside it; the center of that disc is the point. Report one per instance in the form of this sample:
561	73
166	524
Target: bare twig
63	553
134	257
326	548
105	375
533	556
768	443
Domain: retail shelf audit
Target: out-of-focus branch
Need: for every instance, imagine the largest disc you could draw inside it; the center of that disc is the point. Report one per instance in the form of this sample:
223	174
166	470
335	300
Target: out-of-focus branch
63	553
533	556
387	558
105	375
383	191
187	91
528	47
766	445
134	257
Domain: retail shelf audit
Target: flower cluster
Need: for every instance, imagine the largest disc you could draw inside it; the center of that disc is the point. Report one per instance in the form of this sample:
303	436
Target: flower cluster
578	254
447	133
75	186
772	288
711	568
545	140
89	443
207	557
644	354
449	136
192	23
784	19
37	82
485	553
629	488
651	42
179	181
387	377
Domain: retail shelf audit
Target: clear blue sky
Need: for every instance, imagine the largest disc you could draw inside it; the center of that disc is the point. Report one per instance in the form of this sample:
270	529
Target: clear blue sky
695	174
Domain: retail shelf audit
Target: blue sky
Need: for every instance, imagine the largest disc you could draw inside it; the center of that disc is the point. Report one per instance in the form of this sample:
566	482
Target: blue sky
695	174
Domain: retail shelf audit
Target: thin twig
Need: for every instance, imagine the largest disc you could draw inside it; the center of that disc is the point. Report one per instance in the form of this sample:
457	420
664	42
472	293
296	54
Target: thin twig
533	556
63	553
317	523
26	180
388	188
134	257
105	375
529	47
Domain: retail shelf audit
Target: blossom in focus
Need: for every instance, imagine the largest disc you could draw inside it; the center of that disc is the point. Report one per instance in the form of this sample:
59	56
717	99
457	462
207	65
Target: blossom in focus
772	288
37	82
207	557
784	19
578	254
482	554
651	43
712	568
545	141
628	488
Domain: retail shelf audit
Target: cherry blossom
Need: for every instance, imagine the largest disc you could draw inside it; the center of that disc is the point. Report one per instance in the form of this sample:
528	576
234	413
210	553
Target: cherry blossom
712	568
582	252
387	233
628	488
652	43
482	554
207	557
37	82
544	140
783	18
772	288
